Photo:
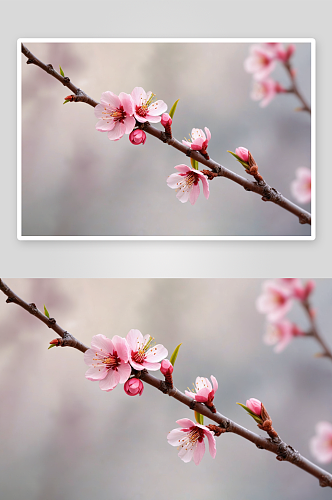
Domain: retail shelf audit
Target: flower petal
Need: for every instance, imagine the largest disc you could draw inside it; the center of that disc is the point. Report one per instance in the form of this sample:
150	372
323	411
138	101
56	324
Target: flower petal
96	373
124	371
102	343
199	451
134	339
110	381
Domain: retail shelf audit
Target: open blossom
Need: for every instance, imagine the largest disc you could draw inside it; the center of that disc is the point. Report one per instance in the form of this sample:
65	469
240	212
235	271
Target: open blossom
141	354
321	444
134	386
115	115
301	186
204	390
275	301
261	61
254	405
190	440
108	361
281	53
280	334
265	91
145	109
198	139
186	183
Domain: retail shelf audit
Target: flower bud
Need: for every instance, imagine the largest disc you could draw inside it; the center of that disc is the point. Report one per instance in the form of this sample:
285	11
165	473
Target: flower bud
166	120
166	367
137	137
254	405
243	153
134	386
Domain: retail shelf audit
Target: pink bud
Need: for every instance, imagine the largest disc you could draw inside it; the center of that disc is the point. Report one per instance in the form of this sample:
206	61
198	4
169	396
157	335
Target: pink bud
309	287
279	88
137	136
242	153
255	406
290	51
166	120
133	386
166	367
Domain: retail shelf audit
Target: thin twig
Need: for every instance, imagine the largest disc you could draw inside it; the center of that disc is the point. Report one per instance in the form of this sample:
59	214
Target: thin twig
263	189
314	330
283	451
294	88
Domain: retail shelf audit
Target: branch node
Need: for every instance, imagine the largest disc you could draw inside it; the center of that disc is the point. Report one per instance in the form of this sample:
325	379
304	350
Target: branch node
66	80
192	405
33	308
30	61
188	152
9	300
49	67
51	322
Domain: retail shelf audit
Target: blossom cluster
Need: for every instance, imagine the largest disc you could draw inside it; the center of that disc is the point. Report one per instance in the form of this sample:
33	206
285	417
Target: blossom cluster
275	301
261	62
111	360
118	114
301	185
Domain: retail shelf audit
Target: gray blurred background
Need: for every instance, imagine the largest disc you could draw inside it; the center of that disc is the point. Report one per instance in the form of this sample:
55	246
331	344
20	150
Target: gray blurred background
62	437
75	182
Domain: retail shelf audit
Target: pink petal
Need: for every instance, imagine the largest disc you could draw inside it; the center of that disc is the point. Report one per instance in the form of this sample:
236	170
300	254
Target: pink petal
152	118
151	366
206	189
137	366
173	180
208	133
156	353
186	454
203	383
157	108
174	436
129	124
110	99
102	343
194	193
214	383
121	347
183	196
138	95
199	452
134	337
127	103
212	443
189	394
117	132
124	371
186	423
183	169
110	381
96	373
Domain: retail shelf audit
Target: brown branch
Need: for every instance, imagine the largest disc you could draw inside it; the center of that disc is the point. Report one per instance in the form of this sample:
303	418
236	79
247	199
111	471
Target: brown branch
327	352
283	451
294	88
261	188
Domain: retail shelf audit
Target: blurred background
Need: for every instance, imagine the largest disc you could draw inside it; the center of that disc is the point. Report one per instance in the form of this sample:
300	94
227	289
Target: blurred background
75	182
62	437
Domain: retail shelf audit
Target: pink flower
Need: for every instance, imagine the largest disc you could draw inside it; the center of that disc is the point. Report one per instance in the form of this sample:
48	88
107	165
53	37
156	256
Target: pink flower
134	386
242	153
190	440
137	136
275	300
166	367
141	354
115	115
280	334
186	183
254	405
166	120
261	61
301	186
108	359
204	391
321	444
284	54
199	140
297	289
145	109
265	91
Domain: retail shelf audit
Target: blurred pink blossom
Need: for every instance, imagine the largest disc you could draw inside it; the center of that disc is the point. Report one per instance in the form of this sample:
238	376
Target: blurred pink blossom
265	91
242	153
261	61
186	183
297	289
204	390
280	334
108	359
115	115
254	405
190	439
145	109
137	137
134	386
198	139
301	186
141	354
275	301
321	444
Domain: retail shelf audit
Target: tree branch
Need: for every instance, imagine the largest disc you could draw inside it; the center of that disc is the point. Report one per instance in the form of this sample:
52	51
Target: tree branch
267	192
283	451
314	330
294	88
